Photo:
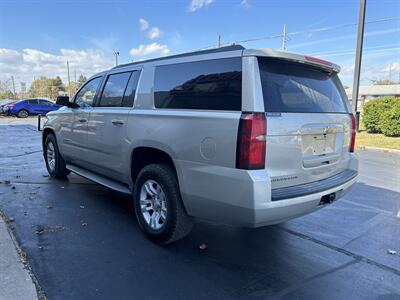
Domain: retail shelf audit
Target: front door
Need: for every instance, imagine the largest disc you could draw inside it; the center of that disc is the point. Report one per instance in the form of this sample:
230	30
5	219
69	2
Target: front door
108	125
76	144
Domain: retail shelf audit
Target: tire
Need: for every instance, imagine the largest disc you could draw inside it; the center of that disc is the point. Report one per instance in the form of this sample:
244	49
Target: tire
176	223
23	113
56	168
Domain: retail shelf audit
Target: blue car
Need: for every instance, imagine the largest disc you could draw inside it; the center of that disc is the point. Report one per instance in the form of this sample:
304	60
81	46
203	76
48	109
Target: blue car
25	108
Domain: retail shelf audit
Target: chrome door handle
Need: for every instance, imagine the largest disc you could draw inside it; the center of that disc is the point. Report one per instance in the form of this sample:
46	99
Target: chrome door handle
82	120
117	122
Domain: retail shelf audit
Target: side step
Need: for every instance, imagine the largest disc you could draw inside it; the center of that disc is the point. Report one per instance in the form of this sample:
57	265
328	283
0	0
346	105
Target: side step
111	184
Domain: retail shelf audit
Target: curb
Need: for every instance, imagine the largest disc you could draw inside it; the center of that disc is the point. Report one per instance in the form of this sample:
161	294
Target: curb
362	148
39	295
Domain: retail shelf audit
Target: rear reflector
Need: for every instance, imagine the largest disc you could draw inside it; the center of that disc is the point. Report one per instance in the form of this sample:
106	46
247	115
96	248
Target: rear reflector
251	142
318	60
353	133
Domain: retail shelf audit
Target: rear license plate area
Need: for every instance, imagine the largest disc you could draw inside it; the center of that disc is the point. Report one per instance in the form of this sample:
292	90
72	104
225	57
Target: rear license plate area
316	145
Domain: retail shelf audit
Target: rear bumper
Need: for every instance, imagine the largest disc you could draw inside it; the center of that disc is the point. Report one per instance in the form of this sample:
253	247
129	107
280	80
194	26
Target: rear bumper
244	198
280	211
313	187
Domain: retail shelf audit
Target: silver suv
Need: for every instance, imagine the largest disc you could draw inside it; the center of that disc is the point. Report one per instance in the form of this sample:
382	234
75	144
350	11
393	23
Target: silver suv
238	136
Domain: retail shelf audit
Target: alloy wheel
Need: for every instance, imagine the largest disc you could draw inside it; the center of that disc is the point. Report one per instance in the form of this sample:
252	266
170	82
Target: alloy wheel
153	204
51	156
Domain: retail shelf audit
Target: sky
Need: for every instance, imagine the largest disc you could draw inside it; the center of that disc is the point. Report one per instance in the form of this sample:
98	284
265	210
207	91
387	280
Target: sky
38	37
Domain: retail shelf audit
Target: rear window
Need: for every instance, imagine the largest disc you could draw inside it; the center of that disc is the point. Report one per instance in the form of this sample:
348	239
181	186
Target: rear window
297	88
114	89
208	85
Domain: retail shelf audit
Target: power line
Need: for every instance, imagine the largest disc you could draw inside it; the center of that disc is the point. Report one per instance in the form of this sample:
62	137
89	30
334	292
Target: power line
320	29
343	26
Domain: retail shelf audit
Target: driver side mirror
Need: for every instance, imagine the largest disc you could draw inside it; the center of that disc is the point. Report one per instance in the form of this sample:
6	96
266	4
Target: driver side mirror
64	101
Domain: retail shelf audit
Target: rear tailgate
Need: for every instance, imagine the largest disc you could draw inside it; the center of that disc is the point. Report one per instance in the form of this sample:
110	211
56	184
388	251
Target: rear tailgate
308	122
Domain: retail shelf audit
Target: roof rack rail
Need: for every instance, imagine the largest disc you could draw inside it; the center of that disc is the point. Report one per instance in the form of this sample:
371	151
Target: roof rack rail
208	51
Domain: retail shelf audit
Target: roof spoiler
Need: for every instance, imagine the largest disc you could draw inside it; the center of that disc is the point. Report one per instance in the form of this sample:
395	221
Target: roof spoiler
305	59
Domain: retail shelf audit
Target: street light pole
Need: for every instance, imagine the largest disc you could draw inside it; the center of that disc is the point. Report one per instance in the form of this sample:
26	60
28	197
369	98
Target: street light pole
13	84
284	37
116	54
69	80
357	65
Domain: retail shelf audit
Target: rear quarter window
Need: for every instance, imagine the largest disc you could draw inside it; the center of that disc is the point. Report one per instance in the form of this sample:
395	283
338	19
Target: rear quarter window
204	85
298	88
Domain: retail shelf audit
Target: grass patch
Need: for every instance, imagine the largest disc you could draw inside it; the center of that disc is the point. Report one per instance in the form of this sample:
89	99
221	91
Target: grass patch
363	138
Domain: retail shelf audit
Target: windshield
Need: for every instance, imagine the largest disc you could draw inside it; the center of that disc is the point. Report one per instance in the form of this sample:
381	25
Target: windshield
298	88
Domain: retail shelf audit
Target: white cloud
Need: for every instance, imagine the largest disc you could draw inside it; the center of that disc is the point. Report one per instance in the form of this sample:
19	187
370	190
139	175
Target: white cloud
143	24
154	33
198	4
392	67
370	71
26	64
149	51
245	3
10	56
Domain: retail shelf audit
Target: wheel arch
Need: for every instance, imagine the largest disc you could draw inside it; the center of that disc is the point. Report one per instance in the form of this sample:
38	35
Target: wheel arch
46	132
143	155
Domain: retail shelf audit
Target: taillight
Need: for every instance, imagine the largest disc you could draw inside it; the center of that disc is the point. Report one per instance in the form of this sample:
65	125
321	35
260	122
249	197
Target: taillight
251	142
318	60
353	133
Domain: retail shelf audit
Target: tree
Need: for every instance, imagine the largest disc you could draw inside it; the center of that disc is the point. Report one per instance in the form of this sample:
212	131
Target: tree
46	87
383	82
6	95
5	89
81	80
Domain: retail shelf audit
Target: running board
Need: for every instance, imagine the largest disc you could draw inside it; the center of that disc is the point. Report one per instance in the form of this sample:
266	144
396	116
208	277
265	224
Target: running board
111	184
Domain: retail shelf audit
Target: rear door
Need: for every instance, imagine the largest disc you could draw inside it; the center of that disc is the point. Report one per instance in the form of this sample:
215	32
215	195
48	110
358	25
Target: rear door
107	125
308	122
44	106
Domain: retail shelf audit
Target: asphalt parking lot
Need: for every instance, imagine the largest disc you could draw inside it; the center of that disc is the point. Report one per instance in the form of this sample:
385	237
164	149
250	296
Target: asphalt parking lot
82	240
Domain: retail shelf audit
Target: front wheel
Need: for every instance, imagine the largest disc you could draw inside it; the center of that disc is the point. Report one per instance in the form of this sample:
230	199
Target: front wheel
23	113
158	205
55	164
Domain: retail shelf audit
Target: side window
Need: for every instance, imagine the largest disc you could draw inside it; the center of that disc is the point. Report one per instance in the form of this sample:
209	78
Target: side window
130	91
114	89
33	101
210	85
45	102
85	96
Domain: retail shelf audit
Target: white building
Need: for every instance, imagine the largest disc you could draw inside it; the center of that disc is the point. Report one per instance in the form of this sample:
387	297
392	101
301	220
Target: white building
368	92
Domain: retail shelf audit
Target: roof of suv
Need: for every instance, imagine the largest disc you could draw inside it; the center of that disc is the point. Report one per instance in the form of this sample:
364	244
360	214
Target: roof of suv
193	53
264	52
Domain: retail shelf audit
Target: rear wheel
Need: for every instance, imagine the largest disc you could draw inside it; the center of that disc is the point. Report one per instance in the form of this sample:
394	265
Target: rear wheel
23	113
158	205
55	164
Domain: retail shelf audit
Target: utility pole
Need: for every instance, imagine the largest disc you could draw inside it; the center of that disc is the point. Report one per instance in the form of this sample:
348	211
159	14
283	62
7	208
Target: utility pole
357	66
219	40
69	80
13	83
284	37
116	54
